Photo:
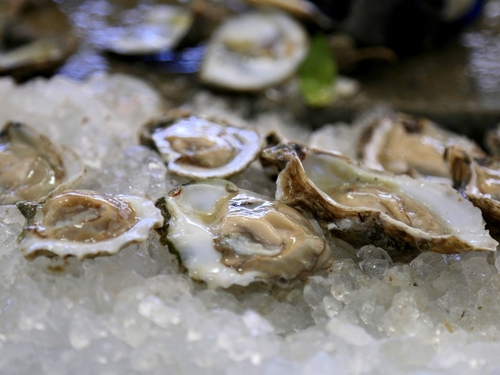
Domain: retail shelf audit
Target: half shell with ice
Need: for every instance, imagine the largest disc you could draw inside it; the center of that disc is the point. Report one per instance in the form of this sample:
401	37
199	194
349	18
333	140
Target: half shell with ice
478	178
225	235
253	51
155	28
32	167
363	206
404	144
199	147
84	223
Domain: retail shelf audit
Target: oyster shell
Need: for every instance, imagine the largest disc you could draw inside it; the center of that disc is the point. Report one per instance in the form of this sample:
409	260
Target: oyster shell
478	178
161	27
31	167
299	8
404	144
364	206
198	147
253	51
84	223
225	235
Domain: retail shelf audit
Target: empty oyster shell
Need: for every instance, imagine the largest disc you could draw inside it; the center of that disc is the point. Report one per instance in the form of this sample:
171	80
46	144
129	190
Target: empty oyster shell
200	148
365	206
404	144
225	235
254	51
32	167
479	179
84	223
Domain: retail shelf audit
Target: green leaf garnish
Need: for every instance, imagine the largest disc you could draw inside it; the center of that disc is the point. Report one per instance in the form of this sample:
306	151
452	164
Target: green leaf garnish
317	74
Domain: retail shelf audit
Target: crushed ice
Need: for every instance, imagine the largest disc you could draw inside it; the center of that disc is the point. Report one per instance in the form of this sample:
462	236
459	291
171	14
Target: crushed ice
135	313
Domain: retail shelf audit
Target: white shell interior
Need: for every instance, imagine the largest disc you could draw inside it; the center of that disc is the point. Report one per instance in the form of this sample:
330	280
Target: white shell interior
253	51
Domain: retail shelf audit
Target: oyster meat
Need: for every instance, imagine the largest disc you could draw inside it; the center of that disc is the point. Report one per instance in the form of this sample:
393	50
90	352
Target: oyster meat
404	144
198	147
253	51
161	27
225	235
84	223
478	178
32	167
364	206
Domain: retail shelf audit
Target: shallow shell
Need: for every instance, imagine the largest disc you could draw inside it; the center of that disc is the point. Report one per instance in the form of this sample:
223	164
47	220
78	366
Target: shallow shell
198	147
253	51
32	168
84	224
404	144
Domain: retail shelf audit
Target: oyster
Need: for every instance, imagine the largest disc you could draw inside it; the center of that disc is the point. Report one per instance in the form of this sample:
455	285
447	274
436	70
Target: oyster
199	148
85	223
161	27
31	167
479	179
403	144
364	206
225	235
299	8
29	47
253	51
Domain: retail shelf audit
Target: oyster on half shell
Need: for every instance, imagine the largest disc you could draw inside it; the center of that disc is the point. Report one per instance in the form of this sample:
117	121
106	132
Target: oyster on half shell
160	27
198	147
363	206
32	167
84	224
478	178
225	235
404	144
254	51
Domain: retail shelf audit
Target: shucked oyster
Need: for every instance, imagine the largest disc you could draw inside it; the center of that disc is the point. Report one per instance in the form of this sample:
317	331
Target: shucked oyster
160	27
254	51
199	148
477	177
31	167
85	223
225	235
365	206
404	144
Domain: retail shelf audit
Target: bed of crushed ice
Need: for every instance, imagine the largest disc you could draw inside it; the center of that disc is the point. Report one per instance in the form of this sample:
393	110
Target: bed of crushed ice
135	313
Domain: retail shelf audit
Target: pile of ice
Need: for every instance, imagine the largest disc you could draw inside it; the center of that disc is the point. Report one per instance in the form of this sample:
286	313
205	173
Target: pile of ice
135	313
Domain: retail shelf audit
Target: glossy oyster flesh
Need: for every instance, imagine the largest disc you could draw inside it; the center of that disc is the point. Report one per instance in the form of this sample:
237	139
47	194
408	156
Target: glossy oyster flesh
84	223
404	144
32	167
253	51
478	178
200	148
225	235
364	206
160	27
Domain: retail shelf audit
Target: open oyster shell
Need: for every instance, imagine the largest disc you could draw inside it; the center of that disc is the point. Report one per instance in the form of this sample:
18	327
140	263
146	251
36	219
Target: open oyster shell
404	144
478	178
299	8
84	223
161	27
198	147
364	206
32	167
225	235
253	51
